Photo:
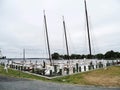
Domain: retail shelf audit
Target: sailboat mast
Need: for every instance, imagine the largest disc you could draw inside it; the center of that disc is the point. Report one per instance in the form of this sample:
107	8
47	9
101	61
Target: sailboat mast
88	31
47	38
24	54
66	38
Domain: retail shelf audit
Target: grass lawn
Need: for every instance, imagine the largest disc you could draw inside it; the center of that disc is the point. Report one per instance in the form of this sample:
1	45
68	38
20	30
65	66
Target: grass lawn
19	74
100	77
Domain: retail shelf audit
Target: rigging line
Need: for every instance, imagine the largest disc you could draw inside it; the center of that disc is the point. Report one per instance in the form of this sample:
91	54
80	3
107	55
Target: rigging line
84	49
94	42
92	37
71	45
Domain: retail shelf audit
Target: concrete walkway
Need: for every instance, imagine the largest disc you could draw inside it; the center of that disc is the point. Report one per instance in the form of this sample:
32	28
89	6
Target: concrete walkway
7	83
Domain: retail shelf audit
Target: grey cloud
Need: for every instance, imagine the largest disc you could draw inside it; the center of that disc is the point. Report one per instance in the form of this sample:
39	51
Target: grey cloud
21	26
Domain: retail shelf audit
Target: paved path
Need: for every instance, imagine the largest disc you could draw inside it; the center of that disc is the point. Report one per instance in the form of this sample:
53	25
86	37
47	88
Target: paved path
7	83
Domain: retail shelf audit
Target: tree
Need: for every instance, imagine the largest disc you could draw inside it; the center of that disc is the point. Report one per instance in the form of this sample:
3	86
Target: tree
88	56
55	56
66	57
110	55
75	56
99	56
83	56
78	56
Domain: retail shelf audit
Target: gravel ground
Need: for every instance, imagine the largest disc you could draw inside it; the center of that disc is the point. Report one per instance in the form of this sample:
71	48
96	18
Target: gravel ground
11	79
9	83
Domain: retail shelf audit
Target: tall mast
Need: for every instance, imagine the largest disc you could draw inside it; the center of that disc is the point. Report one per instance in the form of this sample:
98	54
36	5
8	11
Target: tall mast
88	31
47	38
24	54
66	38
1	54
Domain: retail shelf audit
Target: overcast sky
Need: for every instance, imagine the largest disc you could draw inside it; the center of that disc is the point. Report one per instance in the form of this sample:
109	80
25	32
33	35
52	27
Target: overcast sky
22	26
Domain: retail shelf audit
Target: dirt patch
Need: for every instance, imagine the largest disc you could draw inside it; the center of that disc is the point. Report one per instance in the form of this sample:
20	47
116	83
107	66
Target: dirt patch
103	80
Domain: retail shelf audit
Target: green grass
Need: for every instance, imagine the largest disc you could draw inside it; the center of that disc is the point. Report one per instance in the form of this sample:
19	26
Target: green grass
19	74
73	79
100	77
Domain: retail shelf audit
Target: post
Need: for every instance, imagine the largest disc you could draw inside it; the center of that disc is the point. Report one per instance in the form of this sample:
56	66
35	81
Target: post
77	67
80	69
60	71
84	68
89	67
50	73
73	69
55	69
67	71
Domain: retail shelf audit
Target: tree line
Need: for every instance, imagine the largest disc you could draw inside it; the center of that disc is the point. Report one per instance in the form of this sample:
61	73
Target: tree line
108	55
